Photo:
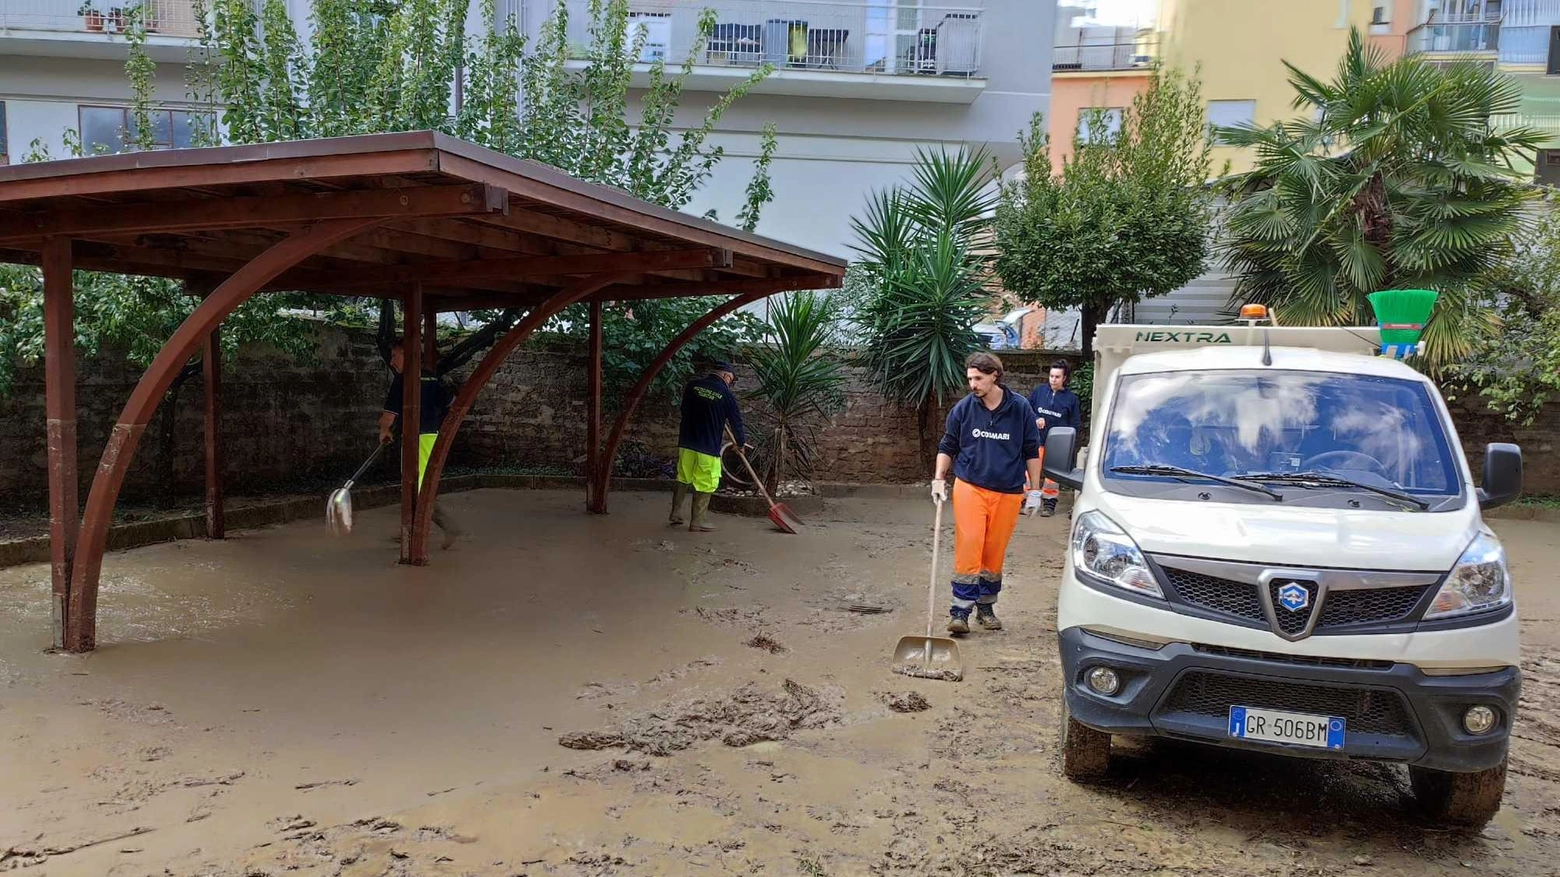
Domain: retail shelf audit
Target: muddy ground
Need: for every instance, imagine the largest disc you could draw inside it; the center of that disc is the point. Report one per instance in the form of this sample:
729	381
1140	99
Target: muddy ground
283	703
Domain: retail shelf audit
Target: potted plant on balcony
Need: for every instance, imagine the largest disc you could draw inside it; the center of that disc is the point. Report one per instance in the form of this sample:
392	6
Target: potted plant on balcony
116	19
91	16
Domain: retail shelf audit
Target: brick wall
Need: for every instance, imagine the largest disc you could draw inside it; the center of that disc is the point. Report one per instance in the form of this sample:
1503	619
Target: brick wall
291	421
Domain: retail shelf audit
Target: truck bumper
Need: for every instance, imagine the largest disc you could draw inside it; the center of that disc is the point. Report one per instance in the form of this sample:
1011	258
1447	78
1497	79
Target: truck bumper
1393	711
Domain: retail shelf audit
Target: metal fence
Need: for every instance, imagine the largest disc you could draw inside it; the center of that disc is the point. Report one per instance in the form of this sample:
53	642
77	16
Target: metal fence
1113	56
166	17
862	37
1454	36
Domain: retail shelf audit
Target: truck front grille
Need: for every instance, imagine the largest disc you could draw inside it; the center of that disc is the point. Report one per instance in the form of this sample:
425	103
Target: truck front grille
1356	610
1366	710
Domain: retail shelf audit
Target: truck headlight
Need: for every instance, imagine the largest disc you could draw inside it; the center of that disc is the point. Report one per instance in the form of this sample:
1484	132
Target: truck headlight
1103	553
1478	583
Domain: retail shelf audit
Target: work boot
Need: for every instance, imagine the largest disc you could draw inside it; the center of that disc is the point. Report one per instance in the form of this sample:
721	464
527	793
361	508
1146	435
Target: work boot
452	530
959	621
1047	508
679	495
986	614
699	522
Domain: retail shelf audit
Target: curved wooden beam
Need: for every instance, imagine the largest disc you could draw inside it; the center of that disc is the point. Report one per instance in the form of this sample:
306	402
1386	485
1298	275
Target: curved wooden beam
602	477
81	616
468	395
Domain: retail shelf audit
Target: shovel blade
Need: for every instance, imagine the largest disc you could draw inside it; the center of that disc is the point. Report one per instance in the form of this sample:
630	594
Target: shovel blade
338	512
784	518
928	657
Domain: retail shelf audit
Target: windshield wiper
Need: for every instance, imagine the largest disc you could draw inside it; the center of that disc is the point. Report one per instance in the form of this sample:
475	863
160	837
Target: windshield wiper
1178	472
1320	479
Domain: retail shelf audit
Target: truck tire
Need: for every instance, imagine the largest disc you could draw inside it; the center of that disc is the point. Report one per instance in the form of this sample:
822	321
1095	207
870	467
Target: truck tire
1085	751
1458	800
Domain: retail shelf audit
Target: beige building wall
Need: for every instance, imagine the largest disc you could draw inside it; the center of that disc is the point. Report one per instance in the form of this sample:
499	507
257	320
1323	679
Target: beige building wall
1239	48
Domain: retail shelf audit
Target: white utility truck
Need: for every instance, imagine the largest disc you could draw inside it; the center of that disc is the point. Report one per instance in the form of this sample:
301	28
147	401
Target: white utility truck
1277	545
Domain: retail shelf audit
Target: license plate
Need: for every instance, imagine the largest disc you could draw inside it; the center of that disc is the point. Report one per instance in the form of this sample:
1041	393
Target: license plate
1299	729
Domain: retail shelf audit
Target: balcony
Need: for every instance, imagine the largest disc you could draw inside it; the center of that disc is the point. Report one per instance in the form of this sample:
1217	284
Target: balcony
1454	35
1102	49
95	28
826	49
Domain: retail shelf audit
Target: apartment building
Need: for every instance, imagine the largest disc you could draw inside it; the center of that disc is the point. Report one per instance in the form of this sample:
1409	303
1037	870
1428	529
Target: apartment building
857	87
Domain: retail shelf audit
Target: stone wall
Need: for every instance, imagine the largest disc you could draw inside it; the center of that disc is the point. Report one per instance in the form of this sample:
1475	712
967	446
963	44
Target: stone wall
291	422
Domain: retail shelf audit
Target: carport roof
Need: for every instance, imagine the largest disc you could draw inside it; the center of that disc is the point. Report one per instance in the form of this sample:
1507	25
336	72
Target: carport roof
476	228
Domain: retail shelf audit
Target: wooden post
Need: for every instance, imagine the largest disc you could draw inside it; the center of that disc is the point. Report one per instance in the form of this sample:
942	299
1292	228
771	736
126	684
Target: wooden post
593	409
211	365
60	404
411	413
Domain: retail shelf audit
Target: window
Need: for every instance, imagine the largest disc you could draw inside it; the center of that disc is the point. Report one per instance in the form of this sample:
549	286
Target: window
1107	118
1229	113
1378	15
109	129
658	34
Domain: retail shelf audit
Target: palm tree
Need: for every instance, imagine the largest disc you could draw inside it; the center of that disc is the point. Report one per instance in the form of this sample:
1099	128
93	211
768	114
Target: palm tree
1393	177
799	382
923	265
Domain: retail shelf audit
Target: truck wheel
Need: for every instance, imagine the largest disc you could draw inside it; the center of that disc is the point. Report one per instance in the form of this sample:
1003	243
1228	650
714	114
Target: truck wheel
1085	751
1458	800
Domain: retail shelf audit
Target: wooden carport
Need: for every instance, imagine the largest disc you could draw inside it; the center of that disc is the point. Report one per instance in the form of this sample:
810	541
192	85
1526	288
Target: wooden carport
431	221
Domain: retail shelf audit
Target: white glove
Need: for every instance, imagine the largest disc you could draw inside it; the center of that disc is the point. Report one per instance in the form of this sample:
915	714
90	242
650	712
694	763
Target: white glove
1032	502
940	490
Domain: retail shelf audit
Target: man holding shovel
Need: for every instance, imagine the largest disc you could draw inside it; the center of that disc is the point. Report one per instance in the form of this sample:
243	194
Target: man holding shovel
434	405
708	406
991	443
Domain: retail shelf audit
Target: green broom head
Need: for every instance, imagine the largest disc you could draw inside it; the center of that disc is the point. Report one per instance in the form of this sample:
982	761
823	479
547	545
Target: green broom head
1402	315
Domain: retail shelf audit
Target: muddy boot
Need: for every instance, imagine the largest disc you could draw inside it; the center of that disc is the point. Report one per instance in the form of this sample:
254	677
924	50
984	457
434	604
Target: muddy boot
986	614
1047	508
958	621
699	522
679	496
452	531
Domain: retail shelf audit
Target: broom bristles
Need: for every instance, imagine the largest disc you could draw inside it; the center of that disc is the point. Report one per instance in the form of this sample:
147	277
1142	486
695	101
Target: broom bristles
1402	313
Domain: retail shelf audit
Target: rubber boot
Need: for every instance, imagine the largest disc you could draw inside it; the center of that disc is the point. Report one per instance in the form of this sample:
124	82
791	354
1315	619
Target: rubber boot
958	621
452	530
986	614
699	522
1047	508
679	496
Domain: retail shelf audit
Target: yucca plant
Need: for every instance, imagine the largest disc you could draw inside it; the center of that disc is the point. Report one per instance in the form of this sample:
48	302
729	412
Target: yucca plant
922	273
1394	177
800	383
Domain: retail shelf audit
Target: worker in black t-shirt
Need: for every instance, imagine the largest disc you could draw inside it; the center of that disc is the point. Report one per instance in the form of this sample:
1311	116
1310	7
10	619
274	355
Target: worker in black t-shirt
434	404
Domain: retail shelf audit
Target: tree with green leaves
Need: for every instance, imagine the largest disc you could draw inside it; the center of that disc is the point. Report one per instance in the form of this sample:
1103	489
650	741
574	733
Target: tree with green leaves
1127	218
1514	363
918	289
800	381
1392	177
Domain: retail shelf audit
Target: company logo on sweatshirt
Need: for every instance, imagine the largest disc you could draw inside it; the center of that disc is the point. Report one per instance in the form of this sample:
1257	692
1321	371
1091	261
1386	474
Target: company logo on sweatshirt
999	436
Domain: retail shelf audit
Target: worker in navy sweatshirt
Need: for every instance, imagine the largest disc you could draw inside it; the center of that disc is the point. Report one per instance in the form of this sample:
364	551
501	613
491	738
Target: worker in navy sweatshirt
992	444
708	407
1054	405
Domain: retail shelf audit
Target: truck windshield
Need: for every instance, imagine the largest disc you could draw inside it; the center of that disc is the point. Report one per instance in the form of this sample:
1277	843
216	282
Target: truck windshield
1382	432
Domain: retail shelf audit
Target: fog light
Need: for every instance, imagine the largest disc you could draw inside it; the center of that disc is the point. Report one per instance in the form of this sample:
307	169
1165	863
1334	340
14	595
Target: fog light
1103	680
1479	720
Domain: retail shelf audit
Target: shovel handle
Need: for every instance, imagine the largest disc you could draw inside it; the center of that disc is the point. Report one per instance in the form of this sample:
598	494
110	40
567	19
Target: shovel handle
366	463
931	590
757	482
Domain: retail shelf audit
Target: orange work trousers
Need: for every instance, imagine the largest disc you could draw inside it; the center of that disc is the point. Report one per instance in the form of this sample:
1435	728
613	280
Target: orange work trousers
983	522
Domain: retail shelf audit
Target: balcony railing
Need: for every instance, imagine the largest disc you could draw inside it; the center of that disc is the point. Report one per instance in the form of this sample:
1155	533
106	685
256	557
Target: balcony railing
165	17
1452	35
1114	56
802	34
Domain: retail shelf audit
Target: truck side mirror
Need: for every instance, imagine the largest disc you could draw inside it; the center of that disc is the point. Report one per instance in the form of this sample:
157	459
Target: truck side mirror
1502	474
1061	457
